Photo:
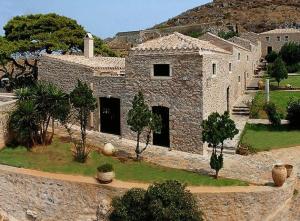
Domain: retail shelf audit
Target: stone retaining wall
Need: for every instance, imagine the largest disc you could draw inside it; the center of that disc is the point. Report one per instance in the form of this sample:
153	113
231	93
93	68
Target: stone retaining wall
26	197
5	108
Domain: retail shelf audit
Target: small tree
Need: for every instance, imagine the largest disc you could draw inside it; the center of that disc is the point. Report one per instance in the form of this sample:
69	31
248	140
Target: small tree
161	202
84	103
271	57
293	113
278	70
140	118
216	129
273	115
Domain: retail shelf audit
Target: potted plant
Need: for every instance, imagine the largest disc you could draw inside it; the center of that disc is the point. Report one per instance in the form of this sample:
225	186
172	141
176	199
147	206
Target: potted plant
105	173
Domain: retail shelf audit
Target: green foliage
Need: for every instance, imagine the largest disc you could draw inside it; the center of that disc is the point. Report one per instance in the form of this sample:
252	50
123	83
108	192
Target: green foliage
216	129
36	108
293	113
271	57
24	123
195	34
50	32
293	68
84	103
104	168
273	115
129	207
216	162
162	201
141	118
227	35
290	53
277	70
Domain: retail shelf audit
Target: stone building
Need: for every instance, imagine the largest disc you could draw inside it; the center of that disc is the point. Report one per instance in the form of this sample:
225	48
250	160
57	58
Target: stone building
183	79
273	40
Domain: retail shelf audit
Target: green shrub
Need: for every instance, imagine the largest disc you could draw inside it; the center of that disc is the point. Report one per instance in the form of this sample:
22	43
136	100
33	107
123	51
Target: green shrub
290	53
129	207
256	107
105	168
293	113
271	57
161	202
273	115
293	68
227	35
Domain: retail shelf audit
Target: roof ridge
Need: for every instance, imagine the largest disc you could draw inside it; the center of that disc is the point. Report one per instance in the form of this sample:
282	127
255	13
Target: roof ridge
186	39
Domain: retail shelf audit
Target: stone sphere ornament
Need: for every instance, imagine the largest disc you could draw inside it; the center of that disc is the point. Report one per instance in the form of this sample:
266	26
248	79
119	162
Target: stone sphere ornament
108	149
279	174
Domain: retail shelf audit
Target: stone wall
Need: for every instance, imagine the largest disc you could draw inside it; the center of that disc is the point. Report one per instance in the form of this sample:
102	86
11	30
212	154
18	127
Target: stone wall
26	197
275	43
5	109
181	93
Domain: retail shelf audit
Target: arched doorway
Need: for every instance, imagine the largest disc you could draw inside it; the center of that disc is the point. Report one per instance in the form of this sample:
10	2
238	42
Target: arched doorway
163	138
110	115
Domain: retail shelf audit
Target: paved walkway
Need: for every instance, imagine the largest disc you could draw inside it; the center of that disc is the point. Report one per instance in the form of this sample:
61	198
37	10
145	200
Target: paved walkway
264	121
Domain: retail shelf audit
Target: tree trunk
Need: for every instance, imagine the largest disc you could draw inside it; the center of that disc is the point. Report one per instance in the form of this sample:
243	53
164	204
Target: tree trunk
278	83
217	174
52	134
137	149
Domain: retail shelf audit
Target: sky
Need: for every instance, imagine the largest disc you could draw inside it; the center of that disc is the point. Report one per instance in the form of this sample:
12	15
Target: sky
103	18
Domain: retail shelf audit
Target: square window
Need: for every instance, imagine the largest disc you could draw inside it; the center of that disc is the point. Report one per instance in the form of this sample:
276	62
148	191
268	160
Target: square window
247	57
161	70
239	56
230	67
267	38
278	38
239	79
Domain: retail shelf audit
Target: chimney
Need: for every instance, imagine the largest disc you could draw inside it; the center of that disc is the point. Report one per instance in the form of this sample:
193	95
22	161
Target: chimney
88	45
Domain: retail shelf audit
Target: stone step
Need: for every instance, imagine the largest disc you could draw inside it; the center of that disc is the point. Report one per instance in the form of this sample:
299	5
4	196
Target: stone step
241	113
252	88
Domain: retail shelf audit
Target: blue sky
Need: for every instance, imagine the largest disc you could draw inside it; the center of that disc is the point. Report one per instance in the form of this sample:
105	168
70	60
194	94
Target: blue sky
101	17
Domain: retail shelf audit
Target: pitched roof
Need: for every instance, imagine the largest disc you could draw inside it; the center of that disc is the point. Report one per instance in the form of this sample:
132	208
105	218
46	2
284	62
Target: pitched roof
178	42
226	41
99	63
282	31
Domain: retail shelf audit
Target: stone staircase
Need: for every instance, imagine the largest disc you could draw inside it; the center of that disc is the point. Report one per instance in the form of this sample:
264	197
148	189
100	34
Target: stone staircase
241	110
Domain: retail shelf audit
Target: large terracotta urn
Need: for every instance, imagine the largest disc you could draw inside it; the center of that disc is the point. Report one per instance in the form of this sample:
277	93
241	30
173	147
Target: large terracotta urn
260	84
108	149
279	175
289	169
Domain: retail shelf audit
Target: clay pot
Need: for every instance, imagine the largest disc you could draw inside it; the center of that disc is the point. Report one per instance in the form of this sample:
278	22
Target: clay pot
279	175
106	177
108	149
289	169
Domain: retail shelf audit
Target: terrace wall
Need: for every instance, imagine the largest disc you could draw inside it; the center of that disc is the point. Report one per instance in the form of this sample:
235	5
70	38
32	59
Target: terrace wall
57	199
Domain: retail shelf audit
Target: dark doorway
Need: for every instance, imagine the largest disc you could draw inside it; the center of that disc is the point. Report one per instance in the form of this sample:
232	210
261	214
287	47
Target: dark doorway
228	99
162	139
110	116
270	49
245	81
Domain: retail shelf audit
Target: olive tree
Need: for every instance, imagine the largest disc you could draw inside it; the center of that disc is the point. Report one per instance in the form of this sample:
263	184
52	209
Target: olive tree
278	70
140	118
216	129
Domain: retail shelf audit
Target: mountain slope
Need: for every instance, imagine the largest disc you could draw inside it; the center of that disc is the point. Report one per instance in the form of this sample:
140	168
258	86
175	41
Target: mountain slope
251	15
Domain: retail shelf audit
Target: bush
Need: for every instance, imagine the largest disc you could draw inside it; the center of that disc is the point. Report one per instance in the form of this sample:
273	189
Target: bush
256	107
105	168
161	202
290	53
293	113
271	57
273	116
293	68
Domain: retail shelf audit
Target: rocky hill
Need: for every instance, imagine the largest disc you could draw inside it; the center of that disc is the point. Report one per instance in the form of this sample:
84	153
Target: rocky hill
251	15
219	15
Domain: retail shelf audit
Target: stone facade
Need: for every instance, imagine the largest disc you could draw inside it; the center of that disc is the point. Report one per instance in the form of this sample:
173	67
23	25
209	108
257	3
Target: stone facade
275	39
42	198
200	81
5	109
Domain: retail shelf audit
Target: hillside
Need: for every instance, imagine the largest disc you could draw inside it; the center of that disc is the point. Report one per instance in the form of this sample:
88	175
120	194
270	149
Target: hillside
251	15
